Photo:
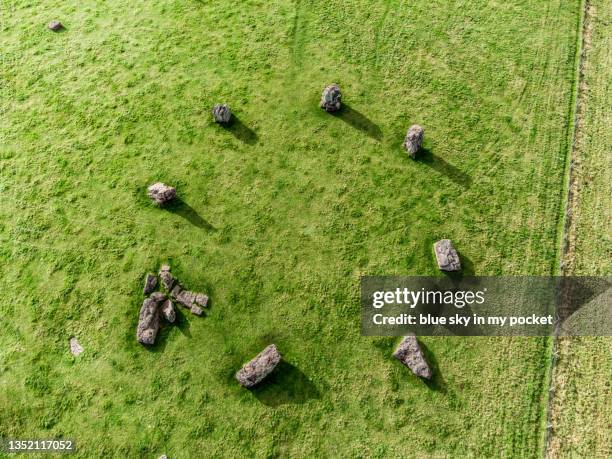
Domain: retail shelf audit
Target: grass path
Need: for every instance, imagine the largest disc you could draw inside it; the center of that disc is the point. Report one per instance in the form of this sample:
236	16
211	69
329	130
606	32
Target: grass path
581	411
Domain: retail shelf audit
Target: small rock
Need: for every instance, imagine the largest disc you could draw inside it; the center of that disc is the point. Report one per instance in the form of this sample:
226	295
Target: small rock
196	310
167	311
410	354
167	279
161	194
331	99
201	299
150	283
75	347
414	140
148	323
447	256
55	26
222	113
261	366
164	268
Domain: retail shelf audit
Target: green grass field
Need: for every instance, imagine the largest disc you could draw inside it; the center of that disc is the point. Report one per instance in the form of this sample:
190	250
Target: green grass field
582	410
280	215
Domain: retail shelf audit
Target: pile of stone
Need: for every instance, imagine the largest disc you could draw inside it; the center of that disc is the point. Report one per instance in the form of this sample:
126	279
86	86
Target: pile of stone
414	140
256	370
159	305
56	26
409	353
222	113
161	194
331	99
447	256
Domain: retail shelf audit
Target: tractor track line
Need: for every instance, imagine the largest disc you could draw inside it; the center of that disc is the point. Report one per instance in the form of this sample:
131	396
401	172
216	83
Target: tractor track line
579	94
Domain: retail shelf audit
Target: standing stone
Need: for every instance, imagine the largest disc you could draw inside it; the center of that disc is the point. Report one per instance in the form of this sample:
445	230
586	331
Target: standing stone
75	347
161	194
331	99
150	283
410	354
447	256
168	312
261	366
148	323
222	113
56	26
414	140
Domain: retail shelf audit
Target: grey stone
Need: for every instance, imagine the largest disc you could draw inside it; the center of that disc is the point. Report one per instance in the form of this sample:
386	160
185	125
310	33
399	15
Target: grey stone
186	298
201	300
75	347
168	312
261	366
176	291
158	297
161	194
414	140
150	283
55	26
410	354
222	113
164	268
447	256
167	280
148	323
196	310
331	99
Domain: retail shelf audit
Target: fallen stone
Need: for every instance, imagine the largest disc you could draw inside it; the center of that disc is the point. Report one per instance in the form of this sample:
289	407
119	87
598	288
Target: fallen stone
150	283
55	26
167	311
447	256
414	140
161	194
176	291
196	310
222	113
410	354
331	99
168	280
164	268
148	323
158	297
186	298
261	366
75	347
201	300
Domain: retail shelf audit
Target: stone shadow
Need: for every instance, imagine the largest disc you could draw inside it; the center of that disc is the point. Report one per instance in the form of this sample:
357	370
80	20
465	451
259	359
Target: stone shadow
437	382
285	385
438	164
240	130
184	210
359	121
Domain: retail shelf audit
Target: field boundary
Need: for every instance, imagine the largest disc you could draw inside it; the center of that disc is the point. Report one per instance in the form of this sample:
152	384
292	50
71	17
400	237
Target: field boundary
578	95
